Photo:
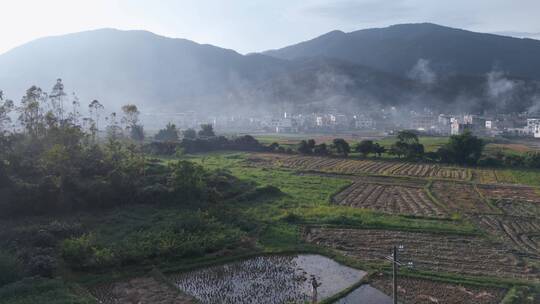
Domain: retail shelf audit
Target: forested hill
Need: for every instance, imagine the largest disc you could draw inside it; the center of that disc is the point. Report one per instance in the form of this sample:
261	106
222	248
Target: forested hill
397	48
415	65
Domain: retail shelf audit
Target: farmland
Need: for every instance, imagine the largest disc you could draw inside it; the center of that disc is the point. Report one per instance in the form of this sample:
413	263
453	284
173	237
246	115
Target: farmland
470	242
430	252
389	196
346	166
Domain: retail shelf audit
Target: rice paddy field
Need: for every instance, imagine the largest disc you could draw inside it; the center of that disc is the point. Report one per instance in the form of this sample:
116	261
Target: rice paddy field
470	237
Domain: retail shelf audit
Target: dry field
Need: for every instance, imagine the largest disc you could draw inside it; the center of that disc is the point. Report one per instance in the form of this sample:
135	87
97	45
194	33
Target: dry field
394	196
515	193
519	209
419	291
460	197
521	233
141	291
354	166
447	253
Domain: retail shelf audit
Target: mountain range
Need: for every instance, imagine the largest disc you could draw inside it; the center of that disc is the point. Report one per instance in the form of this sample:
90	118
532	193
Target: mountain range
413	65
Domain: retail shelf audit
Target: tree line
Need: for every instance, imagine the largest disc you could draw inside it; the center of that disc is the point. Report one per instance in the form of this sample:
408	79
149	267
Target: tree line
462	149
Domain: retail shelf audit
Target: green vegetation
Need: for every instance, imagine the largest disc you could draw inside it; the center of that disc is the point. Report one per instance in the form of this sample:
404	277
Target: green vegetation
40	290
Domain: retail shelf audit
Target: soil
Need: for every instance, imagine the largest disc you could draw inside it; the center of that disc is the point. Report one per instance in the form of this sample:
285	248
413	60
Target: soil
427	251
419	291
145	290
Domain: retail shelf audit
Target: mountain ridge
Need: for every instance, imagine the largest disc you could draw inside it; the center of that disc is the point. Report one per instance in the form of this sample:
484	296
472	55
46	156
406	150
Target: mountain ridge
137	66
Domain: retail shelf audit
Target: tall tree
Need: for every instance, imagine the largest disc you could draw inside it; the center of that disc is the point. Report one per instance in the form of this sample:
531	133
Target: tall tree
341	146
31	111
57	98
207	130
6	106
189	133
464	148
169	133
365	147
408	137
95	108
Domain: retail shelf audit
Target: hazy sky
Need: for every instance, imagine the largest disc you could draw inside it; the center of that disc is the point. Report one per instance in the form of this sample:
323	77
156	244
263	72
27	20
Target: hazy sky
255	25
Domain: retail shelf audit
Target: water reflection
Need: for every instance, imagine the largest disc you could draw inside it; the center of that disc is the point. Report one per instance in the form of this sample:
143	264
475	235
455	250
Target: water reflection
268	279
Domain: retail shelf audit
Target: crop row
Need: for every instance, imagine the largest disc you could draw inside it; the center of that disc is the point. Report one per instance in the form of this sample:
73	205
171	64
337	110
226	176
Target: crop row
518	193
395	199
518	208
521	233
449	253
460	197
351	166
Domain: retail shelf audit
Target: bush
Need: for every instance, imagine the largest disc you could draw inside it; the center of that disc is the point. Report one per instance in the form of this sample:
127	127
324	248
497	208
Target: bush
78	251
42	265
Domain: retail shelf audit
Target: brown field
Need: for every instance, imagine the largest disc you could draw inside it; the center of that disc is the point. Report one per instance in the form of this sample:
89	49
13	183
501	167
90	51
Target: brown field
460	197
434	252
518	193
389	196
419	291
355	166
519	209
140	290
523	234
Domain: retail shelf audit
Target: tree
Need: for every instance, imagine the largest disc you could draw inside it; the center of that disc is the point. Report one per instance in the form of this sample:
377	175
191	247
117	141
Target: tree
113	129
57	97
408	145
95	108
189	133
186	179
463	149
378	149
207	130
303	147
399	149
31	111
169	133
321	149
137	133
365	147
341	146
408	137
6	106
131	115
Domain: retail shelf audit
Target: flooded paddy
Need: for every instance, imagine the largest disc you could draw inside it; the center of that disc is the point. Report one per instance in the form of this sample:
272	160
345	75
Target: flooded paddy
268	279
365	294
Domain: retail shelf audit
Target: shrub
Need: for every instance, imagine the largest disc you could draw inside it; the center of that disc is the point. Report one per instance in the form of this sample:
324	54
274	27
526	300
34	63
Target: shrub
78	251
42	265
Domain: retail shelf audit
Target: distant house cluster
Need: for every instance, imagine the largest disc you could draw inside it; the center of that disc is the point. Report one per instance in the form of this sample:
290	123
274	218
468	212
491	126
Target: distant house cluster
383	120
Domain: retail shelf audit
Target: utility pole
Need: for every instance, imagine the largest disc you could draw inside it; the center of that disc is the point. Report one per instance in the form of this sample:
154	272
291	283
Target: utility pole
395	266
394	272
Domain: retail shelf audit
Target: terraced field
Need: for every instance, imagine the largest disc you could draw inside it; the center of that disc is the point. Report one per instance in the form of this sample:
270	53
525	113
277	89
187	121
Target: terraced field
515	193
350	166
522	233
460	197
519	209
389	196
419	291
434	252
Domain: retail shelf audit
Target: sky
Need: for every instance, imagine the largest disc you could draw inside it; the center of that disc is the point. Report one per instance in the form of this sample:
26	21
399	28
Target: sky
255	25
